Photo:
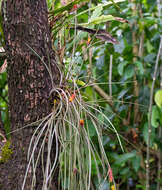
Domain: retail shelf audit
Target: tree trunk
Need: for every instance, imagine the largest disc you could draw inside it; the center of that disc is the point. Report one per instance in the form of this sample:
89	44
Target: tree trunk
26	31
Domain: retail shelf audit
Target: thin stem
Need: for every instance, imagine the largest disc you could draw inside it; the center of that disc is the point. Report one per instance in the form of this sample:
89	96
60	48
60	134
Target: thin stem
74	48
110	75
150	115
135	54
142	35
103	94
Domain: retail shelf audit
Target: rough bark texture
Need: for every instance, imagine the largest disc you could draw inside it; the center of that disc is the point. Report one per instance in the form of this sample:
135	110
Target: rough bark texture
26	22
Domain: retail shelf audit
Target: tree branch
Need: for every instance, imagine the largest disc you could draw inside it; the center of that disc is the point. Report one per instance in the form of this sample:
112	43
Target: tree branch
106	97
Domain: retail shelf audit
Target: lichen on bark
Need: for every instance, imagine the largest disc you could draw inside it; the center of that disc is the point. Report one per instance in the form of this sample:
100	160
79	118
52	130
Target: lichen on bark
5	152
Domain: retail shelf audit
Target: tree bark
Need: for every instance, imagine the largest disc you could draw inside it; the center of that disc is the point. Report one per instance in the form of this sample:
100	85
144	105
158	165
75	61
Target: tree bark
26	31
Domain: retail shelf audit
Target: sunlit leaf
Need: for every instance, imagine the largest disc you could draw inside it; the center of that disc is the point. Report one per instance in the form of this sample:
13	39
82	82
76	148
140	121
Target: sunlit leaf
149	46
80	82
100	5
96	13
158	98
101	19
104	18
